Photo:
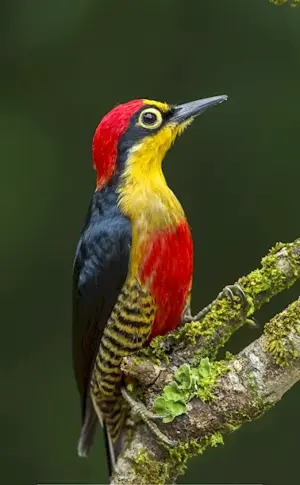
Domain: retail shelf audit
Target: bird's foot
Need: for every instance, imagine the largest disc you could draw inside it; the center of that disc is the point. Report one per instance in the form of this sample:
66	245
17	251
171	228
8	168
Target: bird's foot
139	409
229	291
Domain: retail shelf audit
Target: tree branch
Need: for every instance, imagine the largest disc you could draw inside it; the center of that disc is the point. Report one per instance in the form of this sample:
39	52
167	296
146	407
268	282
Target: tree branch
229	392
292	3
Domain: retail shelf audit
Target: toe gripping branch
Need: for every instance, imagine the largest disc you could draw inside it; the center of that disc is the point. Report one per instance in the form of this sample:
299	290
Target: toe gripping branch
230	291
140	410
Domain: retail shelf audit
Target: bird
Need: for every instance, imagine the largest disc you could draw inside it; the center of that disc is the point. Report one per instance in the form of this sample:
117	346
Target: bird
133	267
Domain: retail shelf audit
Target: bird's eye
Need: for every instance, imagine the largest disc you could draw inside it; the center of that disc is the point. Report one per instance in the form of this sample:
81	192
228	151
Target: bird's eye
150	118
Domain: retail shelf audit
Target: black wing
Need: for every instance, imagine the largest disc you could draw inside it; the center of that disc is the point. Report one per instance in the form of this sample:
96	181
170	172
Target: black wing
100	270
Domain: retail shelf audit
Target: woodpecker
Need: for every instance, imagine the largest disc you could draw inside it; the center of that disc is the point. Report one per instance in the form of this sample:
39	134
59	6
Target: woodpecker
133	267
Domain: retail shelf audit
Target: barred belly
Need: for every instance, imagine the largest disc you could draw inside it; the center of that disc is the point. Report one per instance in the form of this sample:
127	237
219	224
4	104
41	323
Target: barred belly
126	332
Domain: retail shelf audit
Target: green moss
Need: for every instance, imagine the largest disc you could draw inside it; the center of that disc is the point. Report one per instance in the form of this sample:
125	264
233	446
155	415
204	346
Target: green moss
190	332
188	383
184	451
148	470
250	381
155	351
292	3
257	409
277	333
231	426
262	284
130	385
137	361
214	324
207	381
229	356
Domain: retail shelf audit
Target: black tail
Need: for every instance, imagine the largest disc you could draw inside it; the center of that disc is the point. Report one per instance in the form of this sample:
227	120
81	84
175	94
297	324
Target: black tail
87	431
110	452
113	450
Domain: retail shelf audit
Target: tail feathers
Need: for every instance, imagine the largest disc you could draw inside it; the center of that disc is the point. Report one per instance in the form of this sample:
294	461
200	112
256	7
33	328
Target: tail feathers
87	431
115	430
114	449
110	451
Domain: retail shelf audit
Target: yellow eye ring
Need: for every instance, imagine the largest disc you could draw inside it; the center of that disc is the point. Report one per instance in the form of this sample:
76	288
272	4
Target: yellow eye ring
150	118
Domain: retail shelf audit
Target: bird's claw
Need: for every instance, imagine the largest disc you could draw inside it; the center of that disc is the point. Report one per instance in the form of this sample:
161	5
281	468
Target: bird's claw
229	291
233	290
139	409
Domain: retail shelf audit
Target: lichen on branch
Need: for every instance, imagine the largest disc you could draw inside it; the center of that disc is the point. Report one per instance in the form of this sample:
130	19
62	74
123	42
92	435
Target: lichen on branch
204	399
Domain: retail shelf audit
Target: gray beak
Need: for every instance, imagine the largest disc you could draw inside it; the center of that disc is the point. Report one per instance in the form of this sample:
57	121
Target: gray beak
189	110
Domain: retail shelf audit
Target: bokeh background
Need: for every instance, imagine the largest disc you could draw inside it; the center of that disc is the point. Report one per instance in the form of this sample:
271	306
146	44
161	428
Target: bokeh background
236	171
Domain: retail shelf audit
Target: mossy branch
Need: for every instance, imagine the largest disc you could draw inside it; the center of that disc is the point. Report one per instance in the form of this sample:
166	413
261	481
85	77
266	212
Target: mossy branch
292	3
279	270
211	398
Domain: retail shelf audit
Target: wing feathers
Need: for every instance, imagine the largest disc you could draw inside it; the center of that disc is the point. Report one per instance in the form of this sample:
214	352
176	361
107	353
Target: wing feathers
99	272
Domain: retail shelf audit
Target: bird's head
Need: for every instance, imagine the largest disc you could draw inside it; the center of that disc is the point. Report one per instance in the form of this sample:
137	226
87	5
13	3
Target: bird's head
139	133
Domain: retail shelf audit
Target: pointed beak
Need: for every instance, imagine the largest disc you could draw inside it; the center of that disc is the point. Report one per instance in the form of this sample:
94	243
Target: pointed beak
185	111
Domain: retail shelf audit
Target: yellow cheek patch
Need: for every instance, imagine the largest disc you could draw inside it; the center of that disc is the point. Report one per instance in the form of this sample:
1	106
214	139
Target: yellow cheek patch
143	193
164	107
146	157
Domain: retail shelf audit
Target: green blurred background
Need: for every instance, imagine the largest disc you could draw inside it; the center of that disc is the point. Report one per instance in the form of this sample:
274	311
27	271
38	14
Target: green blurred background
236	171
